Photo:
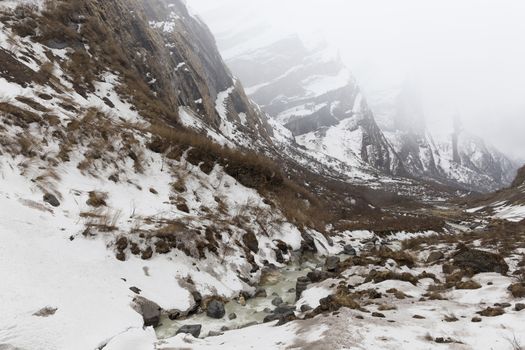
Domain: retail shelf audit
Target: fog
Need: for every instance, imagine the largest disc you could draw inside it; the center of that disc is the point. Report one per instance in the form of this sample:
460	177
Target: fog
466	57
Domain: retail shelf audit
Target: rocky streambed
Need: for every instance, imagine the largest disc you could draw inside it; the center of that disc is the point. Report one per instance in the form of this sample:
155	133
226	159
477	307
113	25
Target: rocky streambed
276	298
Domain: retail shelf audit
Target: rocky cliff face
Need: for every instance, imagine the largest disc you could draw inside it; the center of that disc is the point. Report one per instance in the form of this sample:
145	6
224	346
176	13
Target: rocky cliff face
457	158
311	93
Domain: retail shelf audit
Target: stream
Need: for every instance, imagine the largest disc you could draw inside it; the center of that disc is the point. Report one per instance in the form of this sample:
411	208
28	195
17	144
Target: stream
255	309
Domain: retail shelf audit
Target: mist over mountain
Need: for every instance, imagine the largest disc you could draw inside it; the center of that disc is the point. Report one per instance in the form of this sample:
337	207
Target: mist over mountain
168	185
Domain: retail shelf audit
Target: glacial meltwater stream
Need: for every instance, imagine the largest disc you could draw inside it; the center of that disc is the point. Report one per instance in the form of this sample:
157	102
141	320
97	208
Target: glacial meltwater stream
254	311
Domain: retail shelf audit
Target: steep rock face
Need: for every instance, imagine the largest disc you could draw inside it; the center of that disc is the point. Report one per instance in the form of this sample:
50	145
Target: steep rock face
520	178
312	94
457	158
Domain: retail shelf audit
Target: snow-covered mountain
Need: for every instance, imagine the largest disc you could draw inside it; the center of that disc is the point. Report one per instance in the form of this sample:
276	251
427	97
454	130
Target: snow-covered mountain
147	203
455	157
304	86
310	91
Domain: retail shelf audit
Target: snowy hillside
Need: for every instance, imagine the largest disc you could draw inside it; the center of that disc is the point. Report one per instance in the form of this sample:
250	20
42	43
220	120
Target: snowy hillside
147	203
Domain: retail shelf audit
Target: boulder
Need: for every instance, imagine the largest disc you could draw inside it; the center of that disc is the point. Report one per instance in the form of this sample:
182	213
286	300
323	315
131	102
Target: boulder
470	284
332	263
215	309
479	261
193	329
316	276
517	290
250	241
277	301
51	199
435	256
260	293
349	250
149	310
300	286
519	307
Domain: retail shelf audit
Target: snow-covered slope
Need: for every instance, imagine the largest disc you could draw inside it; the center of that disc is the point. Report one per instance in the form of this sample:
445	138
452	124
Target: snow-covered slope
101	189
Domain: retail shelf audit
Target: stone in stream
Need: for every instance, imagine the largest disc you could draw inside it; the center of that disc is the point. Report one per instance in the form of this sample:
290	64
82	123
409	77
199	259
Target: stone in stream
282	313
349	250
316	276
305	308
277	301
149	310
232	316
215	309
300	286
193	329
332	263
260	293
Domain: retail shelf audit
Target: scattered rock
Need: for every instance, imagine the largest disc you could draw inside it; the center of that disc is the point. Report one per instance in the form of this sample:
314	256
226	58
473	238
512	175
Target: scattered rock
162	247
193	329
215	309
283	247
418	317
441	340
332	263
470	284
349	250
519	307
386	307
479	261
46	311
51	199
503	305
491	312
232	316
517	290
435	256
277	301
476	319
260	293
250	241
317	276
305	308
147	254
149	310
378	314
183	207
196	296
135	290
300	286
121	243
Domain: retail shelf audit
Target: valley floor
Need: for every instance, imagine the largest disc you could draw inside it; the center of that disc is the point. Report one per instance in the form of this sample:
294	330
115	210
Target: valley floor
61	291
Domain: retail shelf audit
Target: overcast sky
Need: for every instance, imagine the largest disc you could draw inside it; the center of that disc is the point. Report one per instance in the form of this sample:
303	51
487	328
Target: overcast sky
467	56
